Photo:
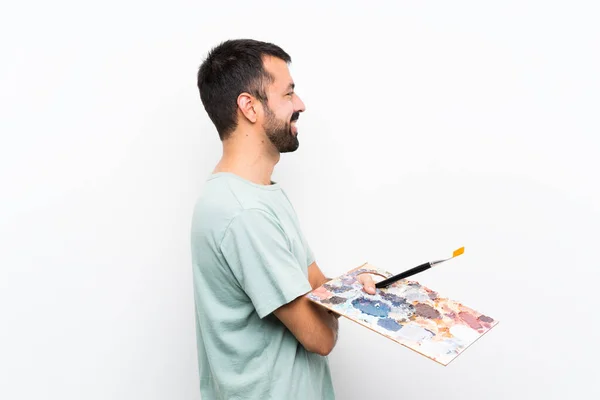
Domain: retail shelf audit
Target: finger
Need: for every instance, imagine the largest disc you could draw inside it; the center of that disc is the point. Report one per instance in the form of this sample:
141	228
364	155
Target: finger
367	282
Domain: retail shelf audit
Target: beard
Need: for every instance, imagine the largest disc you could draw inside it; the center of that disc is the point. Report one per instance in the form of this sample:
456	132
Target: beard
280	132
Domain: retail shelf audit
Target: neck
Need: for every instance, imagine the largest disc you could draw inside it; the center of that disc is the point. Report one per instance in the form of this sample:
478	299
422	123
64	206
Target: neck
248	159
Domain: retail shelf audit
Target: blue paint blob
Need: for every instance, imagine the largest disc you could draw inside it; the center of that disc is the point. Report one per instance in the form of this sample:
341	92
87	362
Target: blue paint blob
337	289
389	324
374	308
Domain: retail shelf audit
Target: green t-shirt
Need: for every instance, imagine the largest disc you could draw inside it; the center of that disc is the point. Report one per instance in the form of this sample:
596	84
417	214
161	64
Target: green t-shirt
249	258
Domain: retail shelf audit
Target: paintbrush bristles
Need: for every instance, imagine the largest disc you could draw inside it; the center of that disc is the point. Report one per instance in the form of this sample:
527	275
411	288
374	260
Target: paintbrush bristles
458	252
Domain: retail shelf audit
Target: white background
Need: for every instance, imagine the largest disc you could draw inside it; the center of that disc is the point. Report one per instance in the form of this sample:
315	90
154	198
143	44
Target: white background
429	126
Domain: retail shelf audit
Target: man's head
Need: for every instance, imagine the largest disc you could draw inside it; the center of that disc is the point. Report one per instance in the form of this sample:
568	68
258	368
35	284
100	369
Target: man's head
247	83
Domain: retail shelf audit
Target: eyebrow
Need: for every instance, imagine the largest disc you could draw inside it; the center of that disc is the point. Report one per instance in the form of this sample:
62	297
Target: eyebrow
291	86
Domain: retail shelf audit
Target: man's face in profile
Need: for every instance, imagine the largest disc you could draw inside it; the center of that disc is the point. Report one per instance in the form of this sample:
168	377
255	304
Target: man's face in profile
283	107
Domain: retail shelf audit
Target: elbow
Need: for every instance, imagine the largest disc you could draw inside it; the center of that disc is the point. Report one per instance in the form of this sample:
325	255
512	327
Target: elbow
324	350
322	347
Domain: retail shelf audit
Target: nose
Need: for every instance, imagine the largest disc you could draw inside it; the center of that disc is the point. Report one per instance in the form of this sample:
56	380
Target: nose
299	104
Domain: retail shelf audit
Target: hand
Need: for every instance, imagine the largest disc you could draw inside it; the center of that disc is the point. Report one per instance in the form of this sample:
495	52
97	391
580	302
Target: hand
367	282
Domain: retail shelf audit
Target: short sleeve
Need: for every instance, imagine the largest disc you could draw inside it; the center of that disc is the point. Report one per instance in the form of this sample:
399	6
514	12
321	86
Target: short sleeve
258	253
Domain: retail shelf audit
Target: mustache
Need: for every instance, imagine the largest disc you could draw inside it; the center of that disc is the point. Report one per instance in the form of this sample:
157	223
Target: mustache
295	116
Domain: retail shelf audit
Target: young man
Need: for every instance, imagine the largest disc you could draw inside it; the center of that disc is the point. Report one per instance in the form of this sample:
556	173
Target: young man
258	336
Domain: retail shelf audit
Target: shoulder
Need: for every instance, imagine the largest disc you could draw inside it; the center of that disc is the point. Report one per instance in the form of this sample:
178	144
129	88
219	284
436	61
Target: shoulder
225	199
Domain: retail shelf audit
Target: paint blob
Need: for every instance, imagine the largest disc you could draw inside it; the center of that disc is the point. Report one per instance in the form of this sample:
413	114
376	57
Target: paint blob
433	295
469	319
389	324
426	311
335	300
484	318
374	308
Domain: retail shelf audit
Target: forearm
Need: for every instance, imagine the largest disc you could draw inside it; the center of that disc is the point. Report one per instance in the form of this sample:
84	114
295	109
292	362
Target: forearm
330	319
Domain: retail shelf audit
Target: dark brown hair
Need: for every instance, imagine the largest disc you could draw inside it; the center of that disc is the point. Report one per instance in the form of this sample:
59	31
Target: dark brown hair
231	68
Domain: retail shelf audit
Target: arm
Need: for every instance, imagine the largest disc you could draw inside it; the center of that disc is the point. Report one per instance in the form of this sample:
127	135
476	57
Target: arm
312	325
256	249
315	327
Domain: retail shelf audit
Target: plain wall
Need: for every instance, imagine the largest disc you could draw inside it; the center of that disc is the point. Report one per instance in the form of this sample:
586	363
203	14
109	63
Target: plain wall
429	126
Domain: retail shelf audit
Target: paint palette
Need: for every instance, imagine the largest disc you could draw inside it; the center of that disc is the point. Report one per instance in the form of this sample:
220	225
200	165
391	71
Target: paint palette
407	313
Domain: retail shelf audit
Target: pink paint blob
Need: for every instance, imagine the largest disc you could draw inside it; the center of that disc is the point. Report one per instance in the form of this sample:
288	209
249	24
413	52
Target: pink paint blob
322	293
470	320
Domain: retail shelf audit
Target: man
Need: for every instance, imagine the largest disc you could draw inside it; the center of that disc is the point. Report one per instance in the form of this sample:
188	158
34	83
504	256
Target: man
258	336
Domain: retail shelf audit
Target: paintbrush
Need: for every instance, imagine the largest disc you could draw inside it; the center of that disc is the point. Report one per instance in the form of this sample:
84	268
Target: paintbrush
416	270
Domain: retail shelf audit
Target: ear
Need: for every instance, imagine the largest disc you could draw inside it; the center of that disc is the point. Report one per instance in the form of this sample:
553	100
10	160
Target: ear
248	105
